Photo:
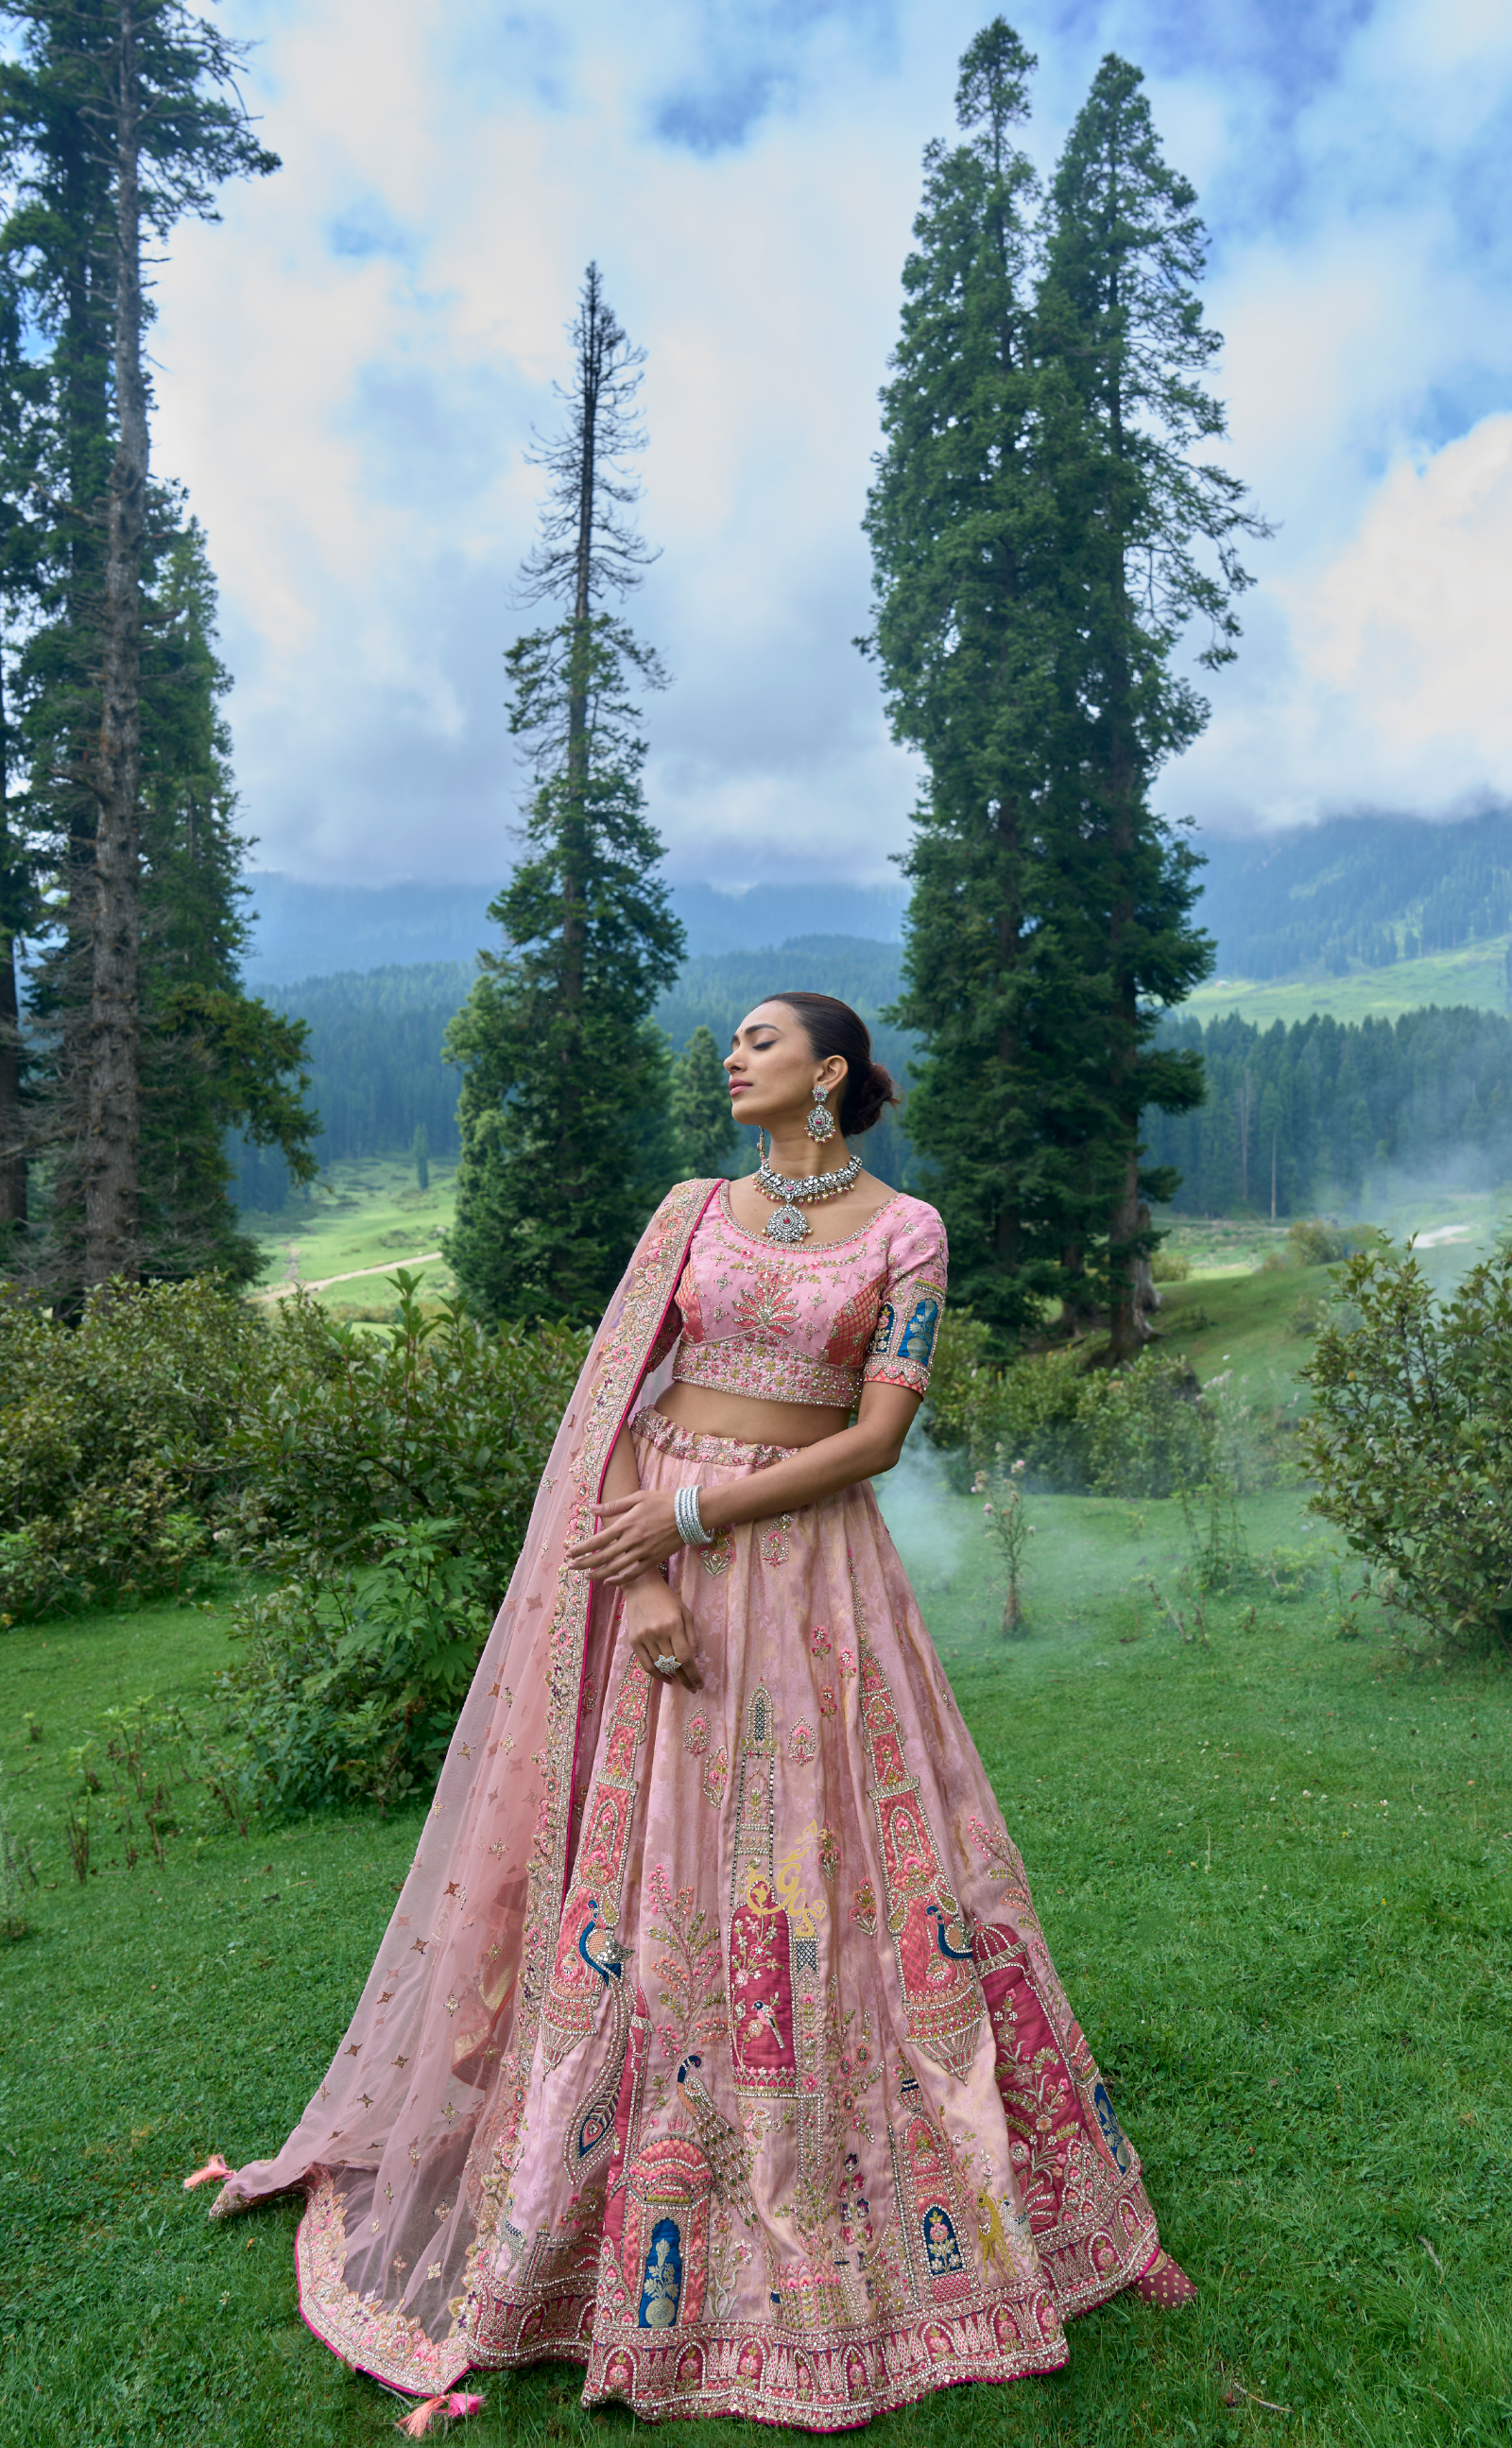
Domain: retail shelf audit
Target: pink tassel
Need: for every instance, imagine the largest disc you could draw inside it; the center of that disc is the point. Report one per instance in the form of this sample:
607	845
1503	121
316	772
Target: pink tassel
214	2172
459	2402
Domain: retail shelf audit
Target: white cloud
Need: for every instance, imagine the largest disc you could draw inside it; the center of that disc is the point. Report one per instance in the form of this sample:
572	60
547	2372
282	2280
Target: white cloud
1392	688
352	364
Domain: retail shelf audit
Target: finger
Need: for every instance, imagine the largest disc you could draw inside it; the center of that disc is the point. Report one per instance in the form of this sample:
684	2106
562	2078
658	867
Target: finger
684	1649
616	1503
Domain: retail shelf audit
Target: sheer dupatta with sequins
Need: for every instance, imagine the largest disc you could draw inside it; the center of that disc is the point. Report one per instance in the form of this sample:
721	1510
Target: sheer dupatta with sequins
406	2151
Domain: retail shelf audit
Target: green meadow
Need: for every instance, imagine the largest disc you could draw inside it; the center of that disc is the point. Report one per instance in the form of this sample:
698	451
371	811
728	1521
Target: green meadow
1274	1860
1473	974
366	1215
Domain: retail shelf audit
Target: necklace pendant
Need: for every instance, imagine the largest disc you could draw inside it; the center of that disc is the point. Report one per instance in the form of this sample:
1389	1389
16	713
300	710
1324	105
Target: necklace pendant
788	1225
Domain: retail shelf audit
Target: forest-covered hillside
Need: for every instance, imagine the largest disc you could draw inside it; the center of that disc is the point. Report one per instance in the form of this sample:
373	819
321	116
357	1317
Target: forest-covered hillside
375	1044
1428	1094
1332	1108
303	931
1361	890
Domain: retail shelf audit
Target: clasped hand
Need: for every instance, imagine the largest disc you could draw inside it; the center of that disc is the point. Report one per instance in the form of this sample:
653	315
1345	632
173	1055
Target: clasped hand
637	1533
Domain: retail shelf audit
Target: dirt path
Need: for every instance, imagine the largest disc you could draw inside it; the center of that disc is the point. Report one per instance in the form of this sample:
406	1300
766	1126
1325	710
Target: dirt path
323	1283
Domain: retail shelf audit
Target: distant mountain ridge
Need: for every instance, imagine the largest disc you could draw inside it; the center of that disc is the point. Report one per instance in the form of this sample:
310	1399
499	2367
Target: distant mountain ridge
324	931
1357	892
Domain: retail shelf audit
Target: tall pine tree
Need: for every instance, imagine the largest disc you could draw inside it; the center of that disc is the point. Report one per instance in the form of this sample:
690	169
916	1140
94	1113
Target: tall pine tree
214	1059
966	548
118	118
1049	913
567	1077
701	1119
1149	544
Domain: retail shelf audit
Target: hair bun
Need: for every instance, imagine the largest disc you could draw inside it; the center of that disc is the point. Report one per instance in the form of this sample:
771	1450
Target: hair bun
831	1027
865	1097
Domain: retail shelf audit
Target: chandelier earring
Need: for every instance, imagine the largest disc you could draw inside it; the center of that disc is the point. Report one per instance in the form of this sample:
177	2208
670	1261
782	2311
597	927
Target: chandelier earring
820	1122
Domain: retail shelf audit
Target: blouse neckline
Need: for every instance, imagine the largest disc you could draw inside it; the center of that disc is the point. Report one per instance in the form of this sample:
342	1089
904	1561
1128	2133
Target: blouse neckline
793	1250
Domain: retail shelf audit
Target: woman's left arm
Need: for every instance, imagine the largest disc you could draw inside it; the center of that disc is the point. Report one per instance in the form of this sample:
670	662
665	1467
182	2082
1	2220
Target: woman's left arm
640	1530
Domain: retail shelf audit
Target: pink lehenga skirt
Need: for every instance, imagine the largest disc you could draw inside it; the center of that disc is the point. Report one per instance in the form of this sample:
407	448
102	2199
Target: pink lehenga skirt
811	2129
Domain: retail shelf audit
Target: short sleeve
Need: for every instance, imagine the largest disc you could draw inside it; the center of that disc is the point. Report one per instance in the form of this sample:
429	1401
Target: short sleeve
912	1305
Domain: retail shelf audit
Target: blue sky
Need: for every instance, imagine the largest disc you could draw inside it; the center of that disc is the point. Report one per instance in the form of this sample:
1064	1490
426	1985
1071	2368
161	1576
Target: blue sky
352	361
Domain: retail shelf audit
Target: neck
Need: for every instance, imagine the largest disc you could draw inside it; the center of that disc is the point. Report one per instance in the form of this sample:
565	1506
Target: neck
798	1158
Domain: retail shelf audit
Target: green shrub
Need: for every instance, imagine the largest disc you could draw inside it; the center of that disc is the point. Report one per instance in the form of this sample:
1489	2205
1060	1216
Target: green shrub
1140	1431
351	1685
113	1439
436	1419
1170	1266
1144	1429
1312	1242
1410	1439
391	1478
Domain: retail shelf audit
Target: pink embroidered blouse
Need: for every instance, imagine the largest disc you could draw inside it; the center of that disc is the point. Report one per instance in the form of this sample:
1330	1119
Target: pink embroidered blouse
812	1324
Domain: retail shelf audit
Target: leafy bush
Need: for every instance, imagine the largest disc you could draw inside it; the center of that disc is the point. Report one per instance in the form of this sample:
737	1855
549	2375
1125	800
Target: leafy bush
436	1419
113	1439
352	1684
1140	1431
1170	1266
1312	1242
391	1478
1411	1440
1144	1429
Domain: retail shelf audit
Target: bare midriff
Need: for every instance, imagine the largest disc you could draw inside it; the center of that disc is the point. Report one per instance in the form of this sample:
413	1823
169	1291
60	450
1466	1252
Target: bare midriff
749	1421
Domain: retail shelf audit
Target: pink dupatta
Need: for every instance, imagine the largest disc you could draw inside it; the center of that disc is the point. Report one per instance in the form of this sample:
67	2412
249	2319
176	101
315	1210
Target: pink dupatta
406	2148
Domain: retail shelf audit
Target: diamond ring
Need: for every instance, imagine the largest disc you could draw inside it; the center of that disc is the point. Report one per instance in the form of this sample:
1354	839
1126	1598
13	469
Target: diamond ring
666	1665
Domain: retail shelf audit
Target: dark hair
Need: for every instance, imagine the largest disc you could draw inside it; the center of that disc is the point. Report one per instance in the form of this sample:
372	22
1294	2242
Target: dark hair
833	1028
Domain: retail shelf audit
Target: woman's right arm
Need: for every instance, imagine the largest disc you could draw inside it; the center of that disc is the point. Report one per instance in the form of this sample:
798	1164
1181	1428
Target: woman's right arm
654	1614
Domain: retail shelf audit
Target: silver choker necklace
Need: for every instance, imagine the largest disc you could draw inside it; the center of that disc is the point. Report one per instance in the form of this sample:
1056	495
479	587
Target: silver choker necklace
788	1224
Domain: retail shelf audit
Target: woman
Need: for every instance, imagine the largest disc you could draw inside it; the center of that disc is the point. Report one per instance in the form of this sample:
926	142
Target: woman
714	2043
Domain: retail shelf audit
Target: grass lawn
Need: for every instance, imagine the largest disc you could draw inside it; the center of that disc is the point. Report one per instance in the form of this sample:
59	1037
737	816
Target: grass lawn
1275	1869
367	1213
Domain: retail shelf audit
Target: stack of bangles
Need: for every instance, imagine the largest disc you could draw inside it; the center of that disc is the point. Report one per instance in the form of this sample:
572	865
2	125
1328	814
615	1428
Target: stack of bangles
690	1523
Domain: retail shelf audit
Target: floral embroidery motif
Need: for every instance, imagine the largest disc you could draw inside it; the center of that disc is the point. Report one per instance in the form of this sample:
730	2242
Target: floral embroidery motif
1007	1862
819	1641
766	1304
715	1776
827	1702
829	1854
719	1558
695	1735
864	1908
774	1540
803	1744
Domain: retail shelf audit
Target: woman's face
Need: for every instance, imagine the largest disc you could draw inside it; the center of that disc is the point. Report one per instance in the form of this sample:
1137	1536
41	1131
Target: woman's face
774	1071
